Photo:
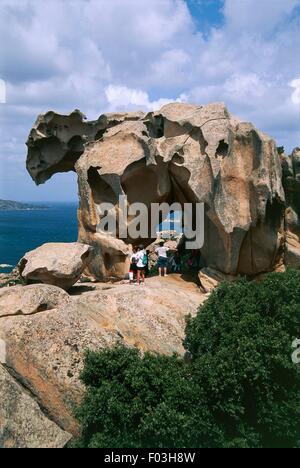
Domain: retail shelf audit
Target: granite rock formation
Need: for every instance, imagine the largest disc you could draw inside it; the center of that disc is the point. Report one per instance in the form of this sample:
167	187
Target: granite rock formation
291	182
45	351
22	422
57	264
181	153
28	300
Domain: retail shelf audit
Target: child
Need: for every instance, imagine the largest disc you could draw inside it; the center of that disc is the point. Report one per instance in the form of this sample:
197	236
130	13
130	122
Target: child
133	266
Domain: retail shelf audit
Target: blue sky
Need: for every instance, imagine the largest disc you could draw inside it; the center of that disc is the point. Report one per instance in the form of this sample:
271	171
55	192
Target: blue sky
207	14
116	55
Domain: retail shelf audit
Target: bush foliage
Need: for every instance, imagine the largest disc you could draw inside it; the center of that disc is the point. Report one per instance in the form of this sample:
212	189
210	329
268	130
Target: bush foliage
239	388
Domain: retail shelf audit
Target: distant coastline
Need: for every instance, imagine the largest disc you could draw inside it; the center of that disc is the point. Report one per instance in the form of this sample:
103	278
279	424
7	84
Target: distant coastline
9	205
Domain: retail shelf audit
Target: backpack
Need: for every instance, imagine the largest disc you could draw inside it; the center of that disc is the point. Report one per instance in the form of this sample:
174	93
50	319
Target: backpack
145	259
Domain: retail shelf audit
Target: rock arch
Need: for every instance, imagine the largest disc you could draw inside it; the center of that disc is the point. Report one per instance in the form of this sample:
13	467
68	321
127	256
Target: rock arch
182	153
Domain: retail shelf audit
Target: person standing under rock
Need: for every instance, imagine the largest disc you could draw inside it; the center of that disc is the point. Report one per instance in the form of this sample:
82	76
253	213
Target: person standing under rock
142	260
175	263
162	261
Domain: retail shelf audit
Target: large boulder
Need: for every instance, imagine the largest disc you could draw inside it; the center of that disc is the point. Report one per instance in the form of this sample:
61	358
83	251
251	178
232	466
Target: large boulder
22	422
46	350
26	300
58	264
292	245
291	183
181	153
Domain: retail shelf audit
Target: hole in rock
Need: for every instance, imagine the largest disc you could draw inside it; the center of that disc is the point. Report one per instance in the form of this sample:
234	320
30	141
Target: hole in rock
76	144
155	127
108	262
222	149
178	159
101	191
170	225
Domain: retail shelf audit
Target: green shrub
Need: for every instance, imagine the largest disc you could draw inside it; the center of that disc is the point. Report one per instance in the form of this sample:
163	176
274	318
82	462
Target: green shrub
140	401
241	347
239	389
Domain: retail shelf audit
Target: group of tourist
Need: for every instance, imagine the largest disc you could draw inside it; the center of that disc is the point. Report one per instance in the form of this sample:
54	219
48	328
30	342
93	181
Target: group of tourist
139	263
180	261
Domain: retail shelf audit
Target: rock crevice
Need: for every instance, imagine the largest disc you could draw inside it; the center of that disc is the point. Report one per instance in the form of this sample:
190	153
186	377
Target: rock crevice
23	423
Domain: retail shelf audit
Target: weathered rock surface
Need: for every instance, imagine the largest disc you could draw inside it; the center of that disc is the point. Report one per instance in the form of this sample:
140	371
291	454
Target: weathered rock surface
292	251
210	279
10	279
58	264
56	141
26	300
22	423
181	153
46	349
291	182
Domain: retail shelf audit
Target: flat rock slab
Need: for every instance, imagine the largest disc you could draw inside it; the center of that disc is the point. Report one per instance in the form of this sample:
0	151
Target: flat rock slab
58	264
22	423
26	300
47	349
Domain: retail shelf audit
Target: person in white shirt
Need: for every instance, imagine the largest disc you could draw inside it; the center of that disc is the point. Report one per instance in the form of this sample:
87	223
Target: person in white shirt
142	260
133	266
162	261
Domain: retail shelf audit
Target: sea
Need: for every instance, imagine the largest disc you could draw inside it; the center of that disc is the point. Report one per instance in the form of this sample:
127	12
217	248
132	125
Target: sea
22	231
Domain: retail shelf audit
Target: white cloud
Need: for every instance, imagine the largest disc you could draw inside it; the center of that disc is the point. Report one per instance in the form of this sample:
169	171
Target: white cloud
108	55
175	63
121	98
257	15
243	88
2	92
